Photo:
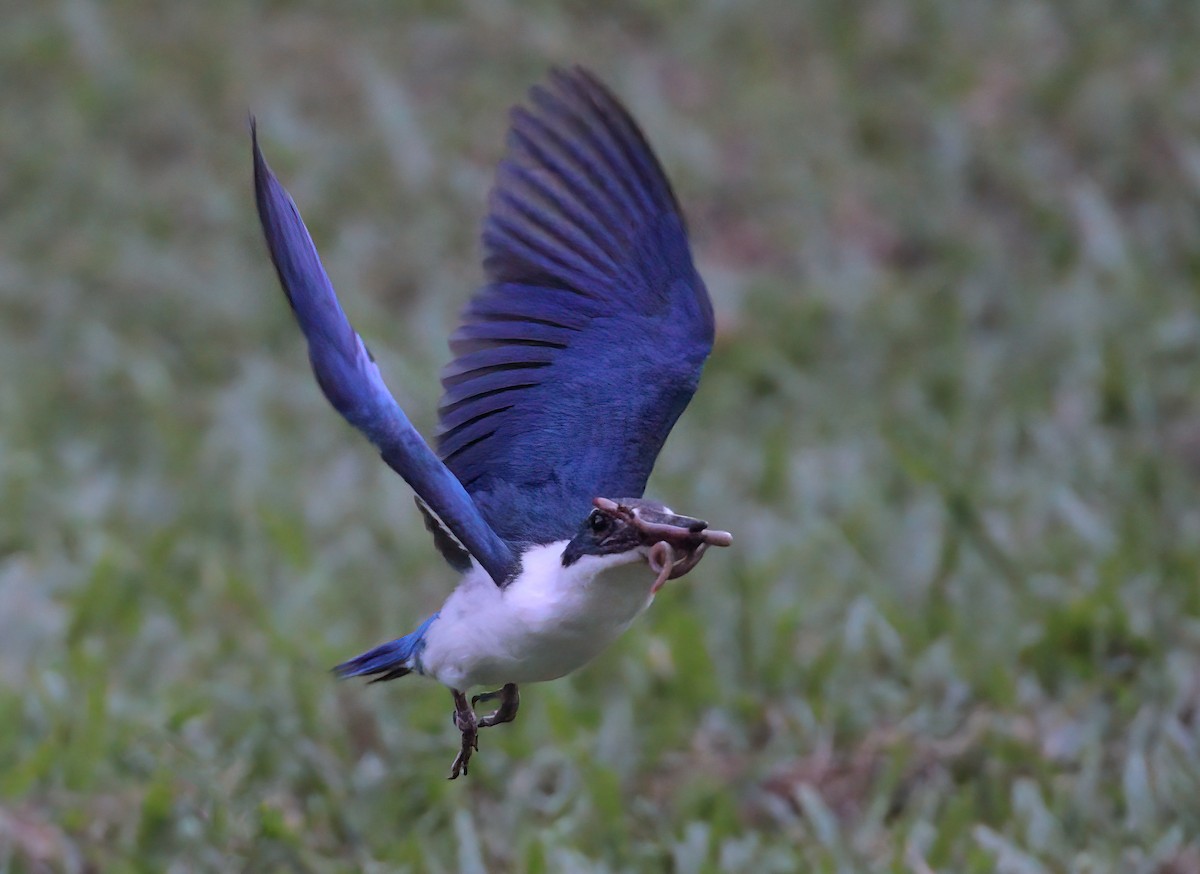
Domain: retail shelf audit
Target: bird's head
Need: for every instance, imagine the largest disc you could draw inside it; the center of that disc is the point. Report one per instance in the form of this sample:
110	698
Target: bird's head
671	544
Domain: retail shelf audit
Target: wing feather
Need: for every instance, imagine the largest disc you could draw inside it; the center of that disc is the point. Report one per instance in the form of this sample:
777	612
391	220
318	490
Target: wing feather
576	359
351	381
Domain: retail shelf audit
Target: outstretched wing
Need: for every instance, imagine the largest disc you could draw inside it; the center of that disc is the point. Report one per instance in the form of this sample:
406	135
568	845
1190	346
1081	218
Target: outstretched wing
350	380
573	364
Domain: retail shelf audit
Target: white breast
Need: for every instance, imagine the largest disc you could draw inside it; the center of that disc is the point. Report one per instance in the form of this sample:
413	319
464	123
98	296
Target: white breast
546	623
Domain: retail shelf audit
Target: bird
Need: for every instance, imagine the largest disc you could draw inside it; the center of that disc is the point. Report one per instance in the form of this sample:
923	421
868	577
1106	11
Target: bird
571	365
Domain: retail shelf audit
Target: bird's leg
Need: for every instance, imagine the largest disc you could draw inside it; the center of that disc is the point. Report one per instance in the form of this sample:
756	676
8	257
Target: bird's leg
506	712
464	719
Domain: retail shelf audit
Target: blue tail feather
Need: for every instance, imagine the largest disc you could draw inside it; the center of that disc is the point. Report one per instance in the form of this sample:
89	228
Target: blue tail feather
389	661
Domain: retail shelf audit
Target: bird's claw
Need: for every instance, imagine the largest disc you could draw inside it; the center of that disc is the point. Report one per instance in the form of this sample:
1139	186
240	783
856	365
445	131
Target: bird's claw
510	701
486	696
461	761
467	722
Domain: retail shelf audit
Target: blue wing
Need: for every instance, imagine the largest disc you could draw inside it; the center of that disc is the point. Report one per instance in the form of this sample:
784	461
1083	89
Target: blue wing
350	380
573	364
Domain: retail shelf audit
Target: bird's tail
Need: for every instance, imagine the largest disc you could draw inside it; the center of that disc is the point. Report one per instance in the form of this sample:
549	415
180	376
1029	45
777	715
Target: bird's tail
389	661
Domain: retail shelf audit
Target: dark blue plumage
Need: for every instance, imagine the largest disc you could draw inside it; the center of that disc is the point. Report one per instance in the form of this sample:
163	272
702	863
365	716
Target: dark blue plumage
574	361
390	660
573	364
350	380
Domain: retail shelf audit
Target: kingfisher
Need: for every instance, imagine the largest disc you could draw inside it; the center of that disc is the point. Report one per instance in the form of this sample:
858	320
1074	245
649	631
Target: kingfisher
571	365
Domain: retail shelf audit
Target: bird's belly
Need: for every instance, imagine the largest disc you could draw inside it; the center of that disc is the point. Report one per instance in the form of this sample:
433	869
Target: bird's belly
546	655
530	640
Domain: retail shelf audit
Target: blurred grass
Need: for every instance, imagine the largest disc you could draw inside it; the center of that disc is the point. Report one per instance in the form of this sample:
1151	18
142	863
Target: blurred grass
952	418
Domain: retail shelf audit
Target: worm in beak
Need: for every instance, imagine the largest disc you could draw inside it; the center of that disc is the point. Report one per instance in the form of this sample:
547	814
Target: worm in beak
677	543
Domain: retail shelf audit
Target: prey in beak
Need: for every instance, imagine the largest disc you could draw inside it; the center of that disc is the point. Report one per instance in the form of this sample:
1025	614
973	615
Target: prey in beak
676	543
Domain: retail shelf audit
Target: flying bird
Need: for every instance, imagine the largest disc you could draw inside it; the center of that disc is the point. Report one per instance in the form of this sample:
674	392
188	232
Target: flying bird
571	365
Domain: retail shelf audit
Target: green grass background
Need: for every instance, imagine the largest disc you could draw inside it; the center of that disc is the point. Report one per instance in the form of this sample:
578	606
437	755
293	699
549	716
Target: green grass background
952	418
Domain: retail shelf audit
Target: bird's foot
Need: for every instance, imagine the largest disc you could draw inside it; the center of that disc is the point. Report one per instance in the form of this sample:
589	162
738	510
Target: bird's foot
467	723
510	701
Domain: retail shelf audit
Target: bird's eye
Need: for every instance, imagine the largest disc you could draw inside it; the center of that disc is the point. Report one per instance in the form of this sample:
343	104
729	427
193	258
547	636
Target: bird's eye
599	523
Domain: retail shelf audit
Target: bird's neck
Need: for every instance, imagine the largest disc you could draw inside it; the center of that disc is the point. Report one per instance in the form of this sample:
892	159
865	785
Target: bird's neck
594	588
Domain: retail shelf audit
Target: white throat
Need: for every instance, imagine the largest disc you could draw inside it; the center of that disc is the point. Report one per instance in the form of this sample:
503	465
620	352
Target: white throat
547	622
